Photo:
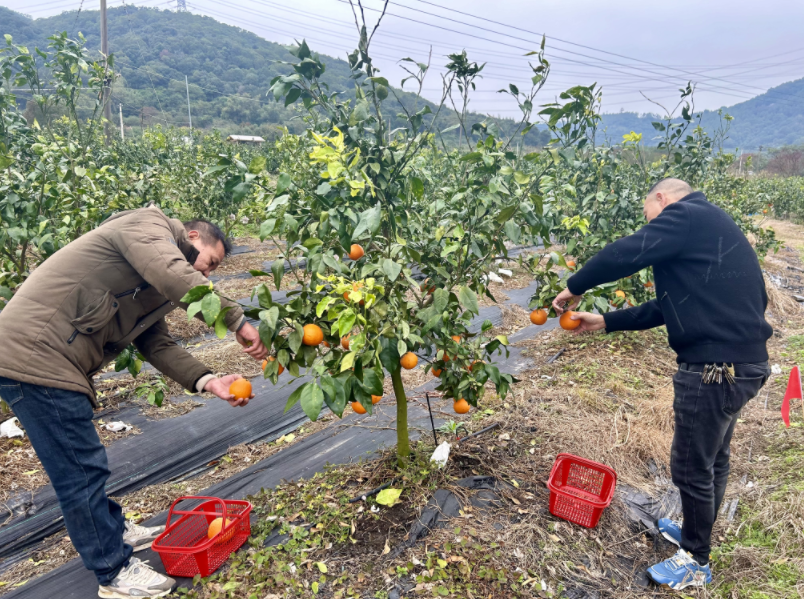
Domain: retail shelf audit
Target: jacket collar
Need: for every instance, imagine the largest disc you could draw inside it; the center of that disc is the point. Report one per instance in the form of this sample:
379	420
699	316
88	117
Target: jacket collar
183	242
695	195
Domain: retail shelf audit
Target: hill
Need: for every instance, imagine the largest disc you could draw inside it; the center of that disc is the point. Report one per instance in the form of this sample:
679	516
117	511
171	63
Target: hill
772	119
229	69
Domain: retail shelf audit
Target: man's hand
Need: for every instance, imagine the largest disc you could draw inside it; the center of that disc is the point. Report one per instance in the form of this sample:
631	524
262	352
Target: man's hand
564	297
589	321
249	338
220	387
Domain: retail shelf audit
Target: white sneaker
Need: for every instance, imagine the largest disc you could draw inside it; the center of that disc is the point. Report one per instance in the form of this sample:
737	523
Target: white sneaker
141	537
137	580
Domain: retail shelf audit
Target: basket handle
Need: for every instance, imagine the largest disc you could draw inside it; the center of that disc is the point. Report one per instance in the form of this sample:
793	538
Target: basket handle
173	509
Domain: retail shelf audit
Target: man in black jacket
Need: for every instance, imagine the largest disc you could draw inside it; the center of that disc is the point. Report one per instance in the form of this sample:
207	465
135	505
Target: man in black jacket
711	296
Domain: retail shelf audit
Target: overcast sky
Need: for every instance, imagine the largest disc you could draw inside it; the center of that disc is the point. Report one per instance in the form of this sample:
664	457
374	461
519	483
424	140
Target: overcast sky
733	49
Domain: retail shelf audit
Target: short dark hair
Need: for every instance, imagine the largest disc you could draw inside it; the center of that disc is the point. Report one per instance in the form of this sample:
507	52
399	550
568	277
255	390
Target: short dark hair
210	233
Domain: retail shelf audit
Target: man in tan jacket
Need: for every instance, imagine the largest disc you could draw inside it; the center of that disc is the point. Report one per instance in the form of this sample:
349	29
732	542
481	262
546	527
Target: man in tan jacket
72	317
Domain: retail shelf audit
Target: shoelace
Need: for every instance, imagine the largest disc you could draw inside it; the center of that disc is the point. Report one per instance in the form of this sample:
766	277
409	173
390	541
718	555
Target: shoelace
144	575
681	559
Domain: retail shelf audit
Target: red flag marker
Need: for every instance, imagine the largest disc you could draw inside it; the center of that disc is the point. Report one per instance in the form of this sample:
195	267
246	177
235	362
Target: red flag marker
793	392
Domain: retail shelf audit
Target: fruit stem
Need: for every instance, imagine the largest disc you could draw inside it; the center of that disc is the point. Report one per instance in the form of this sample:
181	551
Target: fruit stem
402	440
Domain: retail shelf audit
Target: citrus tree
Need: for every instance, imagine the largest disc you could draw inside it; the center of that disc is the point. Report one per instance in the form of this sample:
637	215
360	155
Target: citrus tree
387	270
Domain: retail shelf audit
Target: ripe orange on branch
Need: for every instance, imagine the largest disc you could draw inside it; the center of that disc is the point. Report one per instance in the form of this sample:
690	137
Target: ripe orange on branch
241	389
375	399
571	264
461	406
356	252
538	316
437	372
313	335
358	407
345	342
620	293
456	338
409	361
566	321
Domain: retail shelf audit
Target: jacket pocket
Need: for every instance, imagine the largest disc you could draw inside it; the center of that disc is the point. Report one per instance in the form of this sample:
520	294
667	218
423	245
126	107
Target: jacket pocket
96	317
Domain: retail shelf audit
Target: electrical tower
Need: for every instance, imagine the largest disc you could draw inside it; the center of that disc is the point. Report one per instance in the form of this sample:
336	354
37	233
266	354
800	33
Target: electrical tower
181	6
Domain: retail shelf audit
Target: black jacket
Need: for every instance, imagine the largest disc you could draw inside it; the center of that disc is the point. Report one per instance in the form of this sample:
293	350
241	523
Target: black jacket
709	287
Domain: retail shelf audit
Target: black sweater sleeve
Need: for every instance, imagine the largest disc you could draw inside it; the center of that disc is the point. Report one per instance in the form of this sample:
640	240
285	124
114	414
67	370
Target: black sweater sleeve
661	239
643	316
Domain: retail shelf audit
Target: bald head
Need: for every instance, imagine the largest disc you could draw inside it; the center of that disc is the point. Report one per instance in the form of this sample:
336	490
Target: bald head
663	193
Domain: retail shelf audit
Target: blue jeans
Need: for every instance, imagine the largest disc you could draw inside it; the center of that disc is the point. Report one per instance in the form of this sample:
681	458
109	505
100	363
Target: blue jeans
59	425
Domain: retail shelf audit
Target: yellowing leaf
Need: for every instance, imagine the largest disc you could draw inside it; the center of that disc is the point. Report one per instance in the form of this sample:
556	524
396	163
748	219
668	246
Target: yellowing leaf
322	567
389	497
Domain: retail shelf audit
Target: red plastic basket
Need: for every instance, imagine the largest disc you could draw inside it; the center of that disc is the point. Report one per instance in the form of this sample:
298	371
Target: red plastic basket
580	489
185	548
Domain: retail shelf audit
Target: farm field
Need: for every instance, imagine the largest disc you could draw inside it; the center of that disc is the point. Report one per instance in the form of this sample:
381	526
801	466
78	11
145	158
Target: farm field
400	264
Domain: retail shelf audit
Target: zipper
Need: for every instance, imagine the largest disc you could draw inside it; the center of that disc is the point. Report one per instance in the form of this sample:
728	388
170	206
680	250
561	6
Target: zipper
72	337
133	292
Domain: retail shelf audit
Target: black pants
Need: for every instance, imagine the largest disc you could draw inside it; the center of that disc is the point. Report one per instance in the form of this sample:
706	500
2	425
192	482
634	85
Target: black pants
705	416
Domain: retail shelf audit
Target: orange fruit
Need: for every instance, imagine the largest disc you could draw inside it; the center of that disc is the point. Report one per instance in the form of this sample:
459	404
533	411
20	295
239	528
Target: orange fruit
409	360
326	343
375	398
272	359
345	342
358	407
425	286
620	293
456	338
241	389
216	526
571	264
566	321
313	335
649	284
471	367
461	406
356	252
764	212
538	317
437	372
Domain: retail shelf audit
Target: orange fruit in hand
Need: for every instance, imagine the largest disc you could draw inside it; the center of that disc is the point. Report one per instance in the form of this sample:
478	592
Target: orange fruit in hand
409	360
345	342
272	359
566	321
461	406
571	264
358	407
356	252
620	293
538	316
313	335
241	389
649	284
216	526
375	398
437	372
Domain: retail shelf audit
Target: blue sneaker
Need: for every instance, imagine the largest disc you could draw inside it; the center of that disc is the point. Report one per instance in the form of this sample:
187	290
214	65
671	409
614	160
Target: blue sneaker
670	529
680	571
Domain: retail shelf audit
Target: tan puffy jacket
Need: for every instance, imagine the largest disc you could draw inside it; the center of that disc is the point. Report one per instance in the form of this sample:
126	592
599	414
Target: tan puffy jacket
110	287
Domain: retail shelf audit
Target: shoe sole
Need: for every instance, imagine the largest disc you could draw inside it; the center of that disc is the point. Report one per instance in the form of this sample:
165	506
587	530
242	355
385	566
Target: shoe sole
143	547
116	595
670	538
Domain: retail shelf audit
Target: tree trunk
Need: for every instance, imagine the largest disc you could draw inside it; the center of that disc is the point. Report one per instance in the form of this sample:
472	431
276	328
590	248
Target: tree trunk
402	441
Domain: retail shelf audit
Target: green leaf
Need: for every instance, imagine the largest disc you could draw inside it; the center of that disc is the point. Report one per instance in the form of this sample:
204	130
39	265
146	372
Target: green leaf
468	299
192	310
348	361
417	187
278	269
210	308
323	305
391	269
389	355
282	183
521	177
334	394
506	213
389	497
372	382
220	325
267	228
322	567
195	294
513	231
270	316
369	221
295	397
312	398
440	300
346	321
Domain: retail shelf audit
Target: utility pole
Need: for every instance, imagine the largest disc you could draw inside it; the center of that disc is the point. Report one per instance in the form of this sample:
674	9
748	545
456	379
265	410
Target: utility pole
122	131
189	114
107	107
181	6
